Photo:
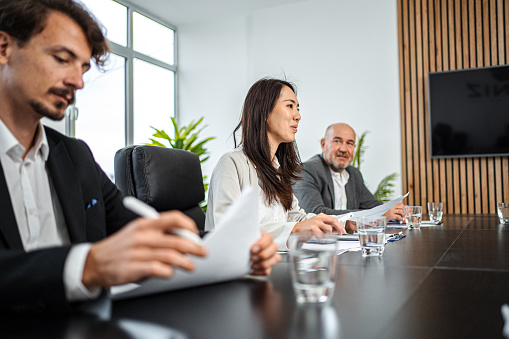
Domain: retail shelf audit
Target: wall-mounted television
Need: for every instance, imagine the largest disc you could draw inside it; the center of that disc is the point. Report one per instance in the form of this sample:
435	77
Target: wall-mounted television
469	112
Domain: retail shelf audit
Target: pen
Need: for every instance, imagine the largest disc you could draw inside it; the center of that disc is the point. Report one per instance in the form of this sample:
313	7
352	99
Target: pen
139	207
396	239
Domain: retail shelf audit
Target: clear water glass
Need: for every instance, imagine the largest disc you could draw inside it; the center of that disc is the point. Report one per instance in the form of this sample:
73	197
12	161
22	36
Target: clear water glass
372	233
413	216
313	266
503	212
435	211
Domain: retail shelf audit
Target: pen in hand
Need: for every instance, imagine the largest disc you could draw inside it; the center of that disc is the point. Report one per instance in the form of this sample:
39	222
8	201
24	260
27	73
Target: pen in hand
139	207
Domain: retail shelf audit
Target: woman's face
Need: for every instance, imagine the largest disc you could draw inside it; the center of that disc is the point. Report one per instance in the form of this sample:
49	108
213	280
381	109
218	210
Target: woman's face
284	119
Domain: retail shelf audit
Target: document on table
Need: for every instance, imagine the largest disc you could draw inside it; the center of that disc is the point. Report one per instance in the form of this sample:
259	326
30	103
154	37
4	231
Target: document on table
228	253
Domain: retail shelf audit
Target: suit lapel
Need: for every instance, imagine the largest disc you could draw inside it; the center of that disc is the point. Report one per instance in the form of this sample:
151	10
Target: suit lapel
8	224
351	197
68	189
330	185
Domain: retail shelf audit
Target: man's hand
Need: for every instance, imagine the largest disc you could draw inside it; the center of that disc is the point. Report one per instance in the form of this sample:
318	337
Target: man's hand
351	226
320	224
396	213
264	255
143	248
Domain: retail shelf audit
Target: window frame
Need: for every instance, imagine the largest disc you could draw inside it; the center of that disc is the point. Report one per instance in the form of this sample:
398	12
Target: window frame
130	54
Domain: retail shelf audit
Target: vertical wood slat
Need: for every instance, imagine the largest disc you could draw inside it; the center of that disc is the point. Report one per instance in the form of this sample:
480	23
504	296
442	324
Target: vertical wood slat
407	109
436	35
402	97
414	113
454	14
426	66
421	157
472	63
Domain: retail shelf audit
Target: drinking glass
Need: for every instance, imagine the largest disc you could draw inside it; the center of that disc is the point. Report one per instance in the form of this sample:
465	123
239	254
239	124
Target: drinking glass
372	235
435	211
413	216
313	266
503	212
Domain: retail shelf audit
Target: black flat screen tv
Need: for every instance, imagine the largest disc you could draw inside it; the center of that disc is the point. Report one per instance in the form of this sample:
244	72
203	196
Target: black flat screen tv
469	112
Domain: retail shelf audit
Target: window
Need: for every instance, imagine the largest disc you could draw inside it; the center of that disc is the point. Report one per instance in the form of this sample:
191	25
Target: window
117	107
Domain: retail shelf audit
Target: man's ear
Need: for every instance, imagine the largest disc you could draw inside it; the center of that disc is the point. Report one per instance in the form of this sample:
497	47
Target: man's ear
6	42
322	143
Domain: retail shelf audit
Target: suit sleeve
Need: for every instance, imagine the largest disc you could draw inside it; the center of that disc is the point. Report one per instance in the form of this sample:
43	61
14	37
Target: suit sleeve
26	288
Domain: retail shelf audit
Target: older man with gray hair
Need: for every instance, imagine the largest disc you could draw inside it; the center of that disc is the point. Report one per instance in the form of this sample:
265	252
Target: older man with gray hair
330	185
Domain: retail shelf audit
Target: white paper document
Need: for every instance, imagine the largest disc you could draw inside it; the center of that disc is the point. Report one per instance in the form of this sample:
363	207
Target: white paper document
374	212
228	256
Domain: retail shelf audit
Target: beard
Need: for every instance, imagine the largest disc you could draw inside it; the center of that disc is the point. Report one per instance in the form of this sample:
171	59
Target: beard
336	167
57	113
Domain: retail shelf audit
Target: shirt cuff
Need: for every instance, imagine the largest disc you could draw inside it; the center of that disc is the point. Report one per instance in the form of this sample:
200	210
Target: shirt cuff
73	273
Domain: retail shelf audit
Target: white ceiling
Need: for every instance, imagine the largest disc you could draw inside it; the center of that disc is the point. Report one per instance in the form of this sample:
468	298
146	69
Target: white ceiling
180	12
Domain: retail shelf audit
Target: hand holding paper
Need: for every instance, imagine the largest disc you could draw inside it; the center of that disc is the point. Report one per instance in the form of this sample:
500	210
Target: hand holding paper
228	253
374	212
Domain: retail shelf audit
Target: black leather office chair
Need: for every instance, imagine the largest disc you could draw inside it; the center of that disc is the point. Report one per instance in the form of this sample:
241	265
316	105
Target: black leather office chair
165	178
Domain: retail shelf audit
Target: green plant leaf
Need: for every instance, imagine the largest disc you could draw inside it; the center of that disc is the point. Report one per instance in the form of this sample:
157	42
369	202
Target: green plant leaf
189	142
156	143
385	188
175	128
161	134
360	150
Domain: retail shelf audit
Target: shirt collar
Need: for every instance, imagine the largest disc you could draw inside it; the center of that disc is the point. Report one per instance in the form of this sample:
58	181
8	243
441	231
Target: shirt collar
343	175
9	143
275	163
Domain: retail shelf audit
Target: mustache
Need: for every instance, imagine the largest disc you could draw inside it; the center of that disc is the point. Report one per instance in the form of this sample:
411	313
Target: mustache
64	92
342	154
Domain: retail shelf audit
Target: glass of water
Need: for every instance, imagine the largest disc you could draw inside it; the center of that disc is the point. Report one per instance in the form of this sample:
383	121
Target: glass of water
503	212
435	211
313	266
413	216
372	235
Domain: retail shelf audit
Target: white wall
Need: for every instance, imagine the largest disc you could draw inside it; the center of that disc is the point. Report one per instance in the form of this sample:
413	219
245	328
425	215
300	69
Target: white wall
341	54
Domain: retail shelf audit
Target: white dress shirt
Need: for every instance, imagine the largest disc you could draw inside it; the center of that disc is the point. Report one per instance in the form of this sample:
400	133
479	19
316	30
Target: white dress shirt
37	210
339	181
274	212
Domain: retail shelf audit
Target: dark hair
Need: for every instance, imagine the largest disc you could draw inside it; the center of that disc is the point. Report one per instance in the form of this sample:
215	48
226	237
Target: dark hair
259	103
22	19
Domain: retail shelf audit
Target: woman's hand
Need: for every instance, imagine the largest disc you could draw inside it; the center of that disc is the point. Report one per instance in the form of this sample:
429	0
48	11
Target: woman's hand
320	224
264	255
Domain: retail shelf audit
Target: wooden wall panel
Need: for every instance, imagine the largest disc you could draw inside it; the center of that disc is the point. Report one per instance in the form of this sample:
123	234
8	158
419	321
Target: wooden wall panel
441	35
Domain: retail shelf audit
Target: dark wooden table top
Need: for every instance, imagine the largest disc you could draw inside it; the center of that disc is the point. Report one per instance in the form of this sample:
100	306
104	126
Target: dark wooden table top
446	281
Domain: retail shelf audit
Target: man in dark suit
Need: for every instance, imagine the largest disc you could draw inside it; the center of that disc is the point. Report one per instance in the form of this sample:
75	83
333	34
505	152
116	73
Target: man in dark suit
330	185
64	233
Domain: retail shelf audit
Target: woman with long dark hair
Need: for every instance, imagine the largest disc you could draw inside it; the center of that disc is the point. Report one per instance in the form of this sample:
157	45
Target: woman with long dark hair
267	159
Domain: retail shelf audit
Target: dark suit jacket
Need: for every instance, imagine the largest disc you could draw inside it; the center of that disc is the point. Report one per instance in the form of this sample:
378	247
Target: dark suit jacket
316	191
33	282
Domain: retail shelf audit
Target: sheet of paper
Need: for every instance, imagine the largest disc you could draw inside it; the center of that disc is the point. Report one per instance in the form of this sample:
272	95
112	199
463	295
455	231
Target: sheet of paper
378	210
228	252
349	246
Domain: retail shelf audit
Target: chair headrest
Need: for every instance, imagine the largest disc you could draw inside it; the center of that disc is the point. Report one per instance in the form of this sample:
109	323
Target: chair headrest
165	178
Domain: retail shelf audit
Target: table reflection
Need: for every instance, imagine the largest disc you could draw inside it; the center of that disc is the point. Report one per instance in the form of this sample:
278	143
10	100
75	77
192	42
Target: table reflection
315	321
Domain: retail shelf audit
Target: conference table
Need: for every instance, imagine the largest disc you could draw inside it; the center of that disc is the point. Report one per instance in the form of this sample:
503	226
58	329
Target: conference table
444	281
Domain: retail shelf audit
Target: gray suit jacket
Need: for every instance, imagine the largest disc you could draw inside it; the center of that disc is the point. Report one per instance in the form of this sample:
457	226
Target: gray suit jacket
315	191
